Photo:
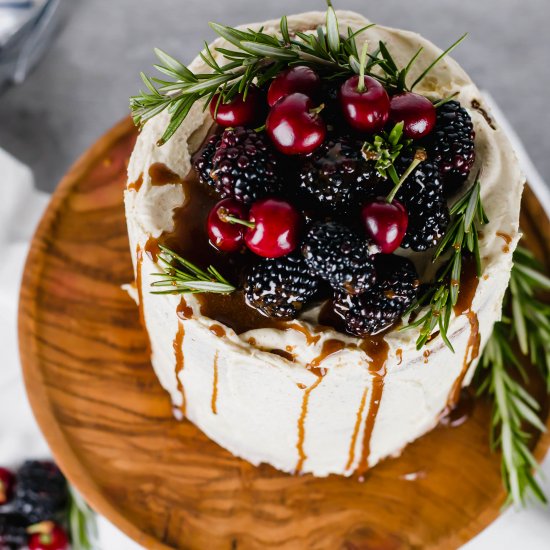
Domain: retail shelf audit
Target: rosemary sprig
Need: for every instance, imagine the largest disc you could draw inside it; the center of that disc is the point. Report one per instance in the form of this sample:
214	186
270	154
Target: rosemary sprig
255	57
461	238
82	523
180	276
514	408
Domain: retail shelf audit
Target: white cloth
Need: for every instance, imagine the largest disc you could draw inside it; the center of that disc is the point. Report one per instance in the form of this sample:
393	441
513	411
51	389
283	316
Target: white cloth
20	209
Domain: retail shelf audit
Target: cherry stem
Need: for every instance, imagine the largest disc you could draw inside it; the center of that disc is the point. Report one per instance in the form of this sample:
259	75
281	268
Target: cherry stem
317	110
363	62
419	156
226	217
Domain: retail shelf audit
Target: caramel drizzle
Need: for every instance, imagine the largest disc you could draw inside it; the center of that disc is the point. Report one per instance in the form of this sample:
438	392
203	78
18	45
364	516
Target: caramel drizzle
139	262
183	311
215	386
374	406
152	248
507	240
471	353
180	362
351	452
399	355
136	185
310	338
218	330
301	425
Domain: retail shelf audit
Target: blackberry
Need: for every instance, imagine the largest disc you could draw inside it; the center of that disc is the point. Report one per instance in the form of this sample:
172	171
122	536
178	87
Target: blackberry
204	161
423	197
240	165
451	144
336	177
13	531
384	304
338	255
41	491
280	287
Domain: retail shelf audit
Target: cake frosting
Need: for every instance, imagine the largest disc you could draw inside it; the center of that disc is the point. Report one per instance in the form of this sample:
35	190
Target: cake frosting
300	397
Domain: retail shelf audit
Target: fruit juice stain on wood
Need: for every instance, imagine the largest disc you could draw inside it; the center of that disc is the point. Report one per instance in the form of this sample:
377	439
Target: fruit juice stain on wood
214	402
507	240
136	185
377	349
351	452
301	425
218	330
180	362
160	175
184	311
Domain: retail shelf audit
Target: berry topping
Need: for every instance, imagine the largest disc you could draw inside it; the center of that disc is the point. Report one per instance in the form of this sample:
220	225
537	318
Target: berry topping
280	288
13	531
415	111
295	126
336	178
385	223
47	536
274	228
451	144
240	111
336	254
381	306
41	491
365	103
422	195
298	79
223	234
241	165
7	480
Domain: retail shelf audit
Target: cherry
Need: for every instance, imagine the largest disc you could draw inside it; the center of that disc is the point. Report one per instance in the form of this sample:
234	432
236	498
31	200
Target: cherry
47	536
299	79
274	228
294	125
385	222
239	111
224	234
7	480
365	103
415	111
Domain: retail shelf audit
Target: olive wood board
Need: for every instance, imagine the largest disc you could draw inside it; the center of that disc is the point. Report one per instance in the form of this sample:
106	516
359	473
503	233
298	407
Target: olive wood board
111	428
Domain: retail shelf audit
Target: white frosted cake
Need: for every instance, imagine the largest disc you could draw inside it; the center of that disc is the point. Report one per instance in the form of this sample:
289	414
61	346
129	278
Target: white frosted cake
300	394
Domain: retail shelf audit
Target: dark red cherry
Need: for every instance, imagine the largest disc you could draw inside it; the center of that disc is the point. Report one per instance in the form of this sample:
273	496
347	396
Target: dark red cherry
276	228
7	480
223	234
366	109
299	79
385	223
239	111
415	111
48	536
295	126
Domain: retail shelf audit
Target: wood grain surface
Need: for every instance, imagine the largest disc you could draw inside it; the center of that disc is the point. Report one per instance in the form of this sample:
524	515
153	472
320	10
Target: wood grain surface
111	429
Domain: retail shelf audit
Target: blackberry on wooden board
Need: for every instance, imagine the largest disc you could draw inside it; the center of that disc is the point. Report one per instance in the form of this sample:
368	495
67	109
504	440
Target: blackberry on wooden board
384	304
423	197
41	491
280	287
451	144
336	177
241	165
336	254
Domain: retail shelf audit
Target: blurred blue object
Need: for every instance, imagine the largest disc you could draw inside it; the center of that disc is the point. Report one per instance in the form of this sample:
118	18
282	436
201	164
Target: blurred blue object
26	29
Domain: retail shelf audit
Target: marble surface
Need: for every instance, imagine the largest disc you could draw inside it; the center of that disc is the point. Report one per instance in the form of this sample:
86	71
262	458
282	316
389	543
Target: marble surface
82	86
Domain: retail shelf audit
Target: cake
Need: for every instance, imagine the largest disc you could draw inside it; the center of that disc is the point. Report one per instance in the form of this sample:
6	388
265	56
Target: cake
334	389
